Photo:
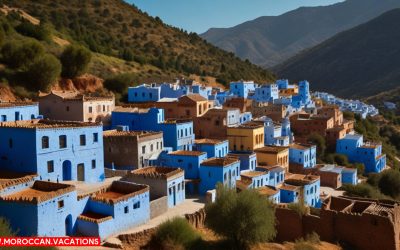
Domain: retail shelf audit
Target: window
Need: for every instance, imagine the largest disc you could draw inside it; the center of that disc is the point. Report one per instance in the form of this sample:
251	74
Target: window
67	108
82	139
90	109
209	174
62	141
151	147
50	166
45	142
60	204
135	94
136	205
158	145
104	108
126	209
179	187
3	118
93	164
143	149
95	137
10	143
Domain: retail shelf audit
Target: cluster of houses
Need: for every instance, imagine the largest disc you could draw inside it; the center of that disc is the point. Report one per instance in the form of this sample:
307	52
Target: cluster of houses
355	106
79	165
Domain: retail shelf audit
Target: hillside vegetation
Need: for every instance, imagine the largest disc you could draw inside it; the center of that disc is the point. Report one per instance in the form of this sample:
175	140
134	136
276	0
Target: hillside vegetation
361	62
125	39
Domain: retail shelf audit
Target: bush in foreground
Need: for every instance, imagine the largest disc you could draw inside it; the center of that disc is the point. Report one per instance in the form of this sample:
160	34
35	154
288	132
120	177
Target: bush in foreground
245	218
307	243
175	233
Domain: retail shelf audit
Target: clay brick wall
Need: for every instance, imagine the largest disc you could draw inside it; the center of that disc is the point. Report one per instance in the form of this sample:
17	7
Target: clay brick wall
289	225
158	206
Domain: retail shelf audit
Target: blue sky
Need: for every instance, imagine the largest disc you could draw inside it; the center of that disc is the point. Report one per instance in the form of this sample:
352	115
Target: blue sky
200	15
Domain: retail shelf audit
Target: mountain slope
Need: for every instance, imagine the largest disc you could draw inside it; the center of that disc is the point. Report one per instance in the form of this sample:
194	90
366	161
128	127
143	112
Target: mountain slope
117	29
360	62
269	40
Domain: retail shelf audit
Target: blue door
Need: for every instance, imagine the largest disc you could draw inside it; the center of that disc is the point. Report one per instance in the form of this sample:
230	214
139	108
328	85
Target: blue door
67	171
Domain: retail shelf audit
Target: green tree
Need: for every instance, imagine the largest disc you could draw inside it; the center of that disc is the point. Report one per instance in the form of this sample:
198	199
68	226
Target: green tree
40	32
341	160
43	72
320	142
389	183
244	219
120	83
75	61
177	232
5	229
21	54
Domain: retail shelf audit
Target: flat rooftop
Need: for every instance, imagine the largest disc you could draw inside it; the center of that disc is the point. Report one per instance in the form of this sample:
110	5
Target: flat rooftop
45	124
119	191
177	121
267	191
300	179
41	191
289	187
301	146
209	141
187	153
241	153
118	133
219	162
271	149
251	125
157	172
131	109
275	168
251	174
16	104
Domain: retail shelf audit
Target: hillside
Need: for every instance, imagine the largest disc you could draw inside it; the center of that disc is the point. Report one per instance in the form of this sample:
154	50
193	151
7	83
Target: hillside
269	40
123	39
361	62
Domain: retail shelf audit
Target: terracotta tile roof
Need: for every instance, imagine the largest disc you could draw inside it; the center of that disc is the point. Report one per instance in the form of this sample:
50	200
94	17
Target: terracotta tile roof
251	174
267	191
40	191
8	178
16	104
119	191
300	179
44	124
156	172
289	187
195	97
187	153
209	141
271	149
219	162
115	133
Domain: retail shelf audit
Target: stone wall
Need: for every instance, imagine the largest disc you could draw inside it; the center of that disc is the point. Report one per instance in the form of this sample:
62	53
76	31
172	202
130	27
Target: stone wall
158	206
113	173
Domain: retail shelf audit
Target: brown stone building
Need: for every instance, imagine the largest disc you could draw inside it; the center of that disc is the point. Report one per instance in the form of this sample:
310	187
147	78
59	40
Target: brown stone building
274	111
355	222
73	106
131	149
215	122
246	137
241	103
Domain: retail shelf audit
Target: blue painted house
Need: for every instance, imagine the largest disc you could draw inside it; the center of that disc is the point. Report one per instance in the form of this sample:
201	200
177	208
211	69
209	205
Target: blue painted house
252	179
144	93
289	193
271	193
189	161
275	133
219	170
242	88
57	209
55	150
266	93
213	147
276	174
204	91
177	133
248	160
245	117
163	181
310	188
18	111
370	154
303	154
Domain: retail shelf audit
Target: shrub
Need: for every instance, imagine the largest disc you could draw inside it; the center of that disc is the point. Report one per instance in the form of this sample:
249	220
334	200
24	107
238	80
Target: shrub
40	32
120	83
21	54
244	219
5	229
75	61
308	243
299	207
389	183
320	142
43	72
175	232
363	190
